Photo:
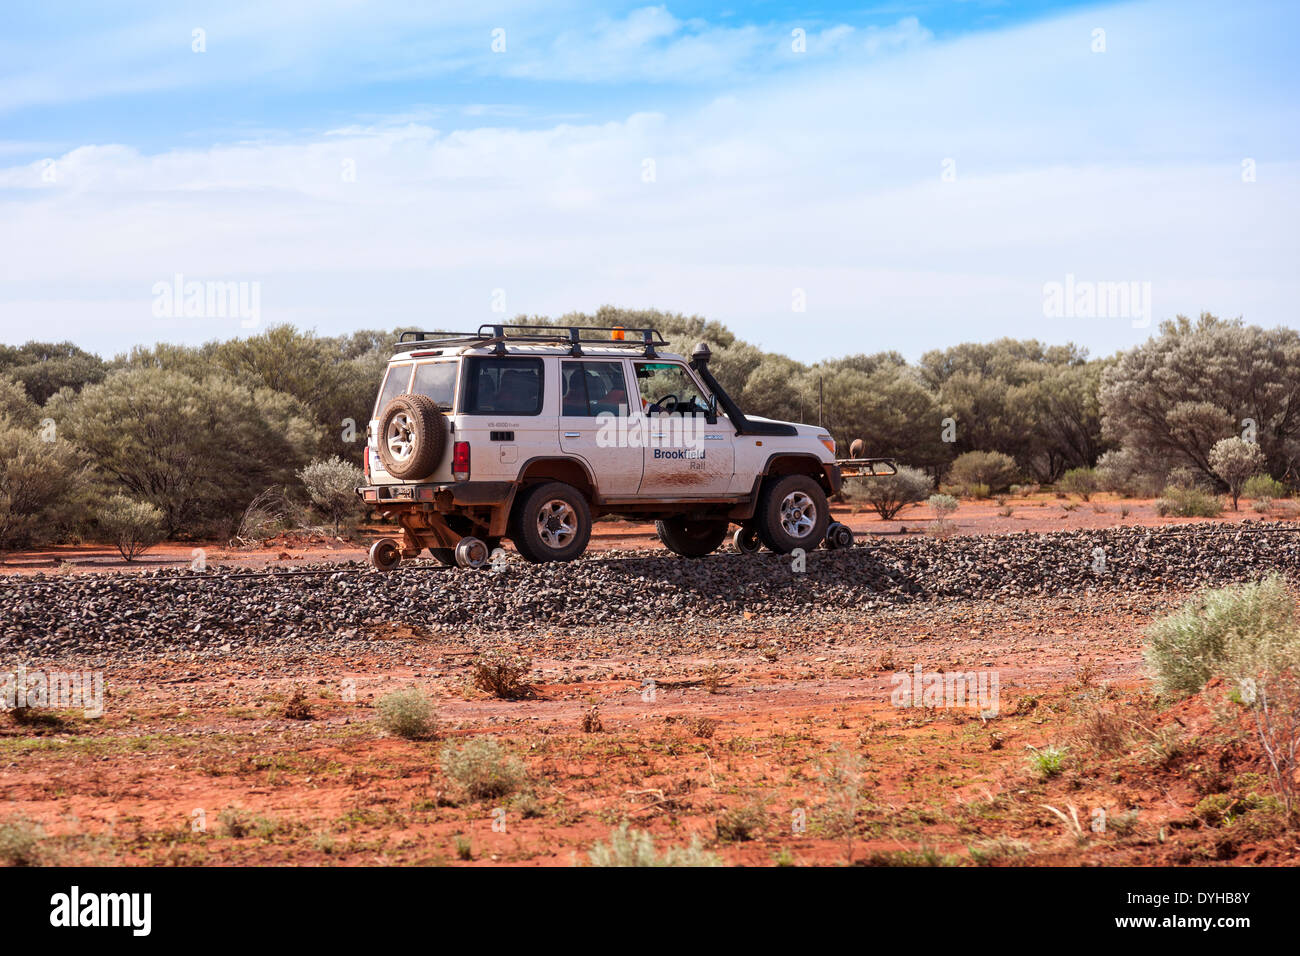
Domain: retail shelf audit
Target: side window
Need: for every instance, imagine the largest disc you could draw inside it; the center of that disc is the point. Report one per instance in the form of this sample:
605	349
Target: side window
668	389
588	389
503	386
437	380
395	384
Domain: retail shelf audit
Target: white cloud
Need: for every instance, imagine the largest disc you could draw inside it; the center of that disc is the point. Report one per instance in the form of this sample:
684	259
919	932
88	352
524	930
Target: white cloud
830	183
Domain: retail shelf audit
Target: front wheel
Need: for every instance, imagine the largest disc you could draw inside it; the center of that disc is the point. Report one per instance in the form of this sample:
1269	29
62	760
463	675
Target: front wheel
552	523
691	538
792	513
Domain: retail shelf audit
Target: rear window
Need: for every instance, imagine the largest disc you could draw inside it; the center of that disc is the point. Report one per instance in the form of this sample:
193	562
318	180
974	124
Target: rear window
503	386
394	385
437	380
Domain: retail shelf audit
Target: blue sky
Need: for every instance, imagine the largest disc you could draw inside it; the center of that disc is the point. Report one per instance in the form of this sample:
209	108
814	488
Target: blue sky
914	176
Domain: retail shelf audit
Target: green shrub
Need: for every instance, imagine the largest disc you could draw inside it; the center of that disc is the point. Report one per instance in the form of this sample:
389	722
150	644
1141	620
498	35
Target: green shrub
1049	761
943	505
40	484
1263	486
889	494
1188	647
332	486
1124	473
1188	503
133	526
627	847
991	468
1079	481
1236	461
407	713
483	769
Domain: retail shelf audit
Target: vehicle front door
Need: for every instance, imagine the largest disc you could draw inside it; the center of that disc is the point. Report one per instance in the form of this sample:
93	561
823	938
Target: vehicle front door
686	454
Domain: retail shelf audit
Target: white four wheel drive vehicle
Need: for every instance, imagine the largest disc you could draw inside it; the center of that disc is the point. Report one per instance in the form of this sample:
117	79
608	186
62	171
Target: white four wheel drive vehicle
531	432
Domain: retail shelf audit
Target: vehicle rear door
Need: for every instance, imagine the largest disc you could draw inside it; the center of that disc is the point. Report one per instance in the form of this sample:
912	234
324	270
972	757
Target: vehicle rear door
595	408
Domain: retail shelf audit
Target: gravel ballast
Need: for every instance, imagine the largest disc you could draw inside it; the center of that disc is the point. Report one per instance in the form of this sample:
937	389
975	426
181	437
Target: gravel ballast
47	615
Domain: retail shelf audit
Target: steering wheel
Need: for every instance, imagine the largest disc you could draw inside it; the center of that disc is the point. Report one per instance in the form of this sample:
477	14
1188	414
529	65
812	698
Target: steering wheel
659	406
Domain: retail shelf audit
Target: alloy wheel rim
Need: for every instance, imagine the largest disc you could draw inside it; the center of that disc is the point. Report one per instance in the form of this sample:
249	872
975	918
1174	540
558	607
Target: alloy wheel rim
798	514
400	437
557	523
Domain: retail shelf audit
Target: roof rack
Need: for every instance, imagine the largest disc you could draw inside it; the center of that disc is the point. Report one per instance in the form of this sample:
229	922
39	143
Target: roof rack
573	336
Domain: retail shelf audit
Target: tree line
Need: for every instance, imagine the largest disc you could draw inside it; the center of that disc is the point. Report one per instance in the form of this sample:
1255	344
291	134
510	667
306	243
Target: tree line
194	433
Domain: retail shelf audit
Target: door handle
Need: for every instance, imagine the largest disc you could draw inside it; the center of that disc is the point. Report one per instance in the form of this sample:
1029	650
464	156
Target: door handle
573	434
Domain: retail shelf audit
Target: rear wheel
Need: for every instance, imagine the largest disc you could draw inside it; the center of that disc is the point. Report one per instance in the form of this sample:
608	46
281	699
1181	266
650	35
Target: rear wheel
792	513
692	538
552	523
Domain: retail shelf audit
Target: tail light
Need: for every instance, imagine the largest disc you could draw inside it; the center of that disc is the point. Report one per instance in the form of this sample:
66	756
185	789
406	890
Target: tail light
460	461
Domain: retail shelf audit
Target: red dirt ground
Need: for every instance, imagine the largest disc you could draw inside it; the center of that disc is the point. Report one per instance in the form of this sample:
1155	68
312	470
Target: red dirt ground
759	746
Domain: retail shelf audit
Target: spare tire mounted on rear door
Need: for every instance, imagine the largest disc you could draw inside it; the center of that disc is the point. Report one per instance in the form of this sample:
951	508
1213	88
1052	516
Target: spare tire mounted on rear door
412	436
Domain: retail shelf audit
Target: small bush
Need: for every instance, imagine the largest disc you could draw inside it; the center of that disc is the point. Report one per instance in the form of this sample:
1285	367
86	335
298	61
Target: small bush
1048	762
483	769
943	505
1124	473
591	722
133	526
407	713
977	490
332	486
744	822
1188	647
987	852
1188	503
1263	505
297	706
991	468
502	674
889	494
1263	486
1235	461
628	847
238	823
21	842
1079	481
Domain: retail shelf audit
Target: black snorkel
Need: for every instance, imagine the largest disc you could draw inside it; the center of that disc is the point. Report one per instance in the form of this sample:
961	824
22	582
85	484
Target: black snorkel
700	356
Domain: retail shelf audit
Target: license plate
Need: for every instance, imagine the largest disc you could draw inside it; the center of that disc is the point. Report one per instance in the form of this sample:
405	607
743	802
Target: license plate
404	492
